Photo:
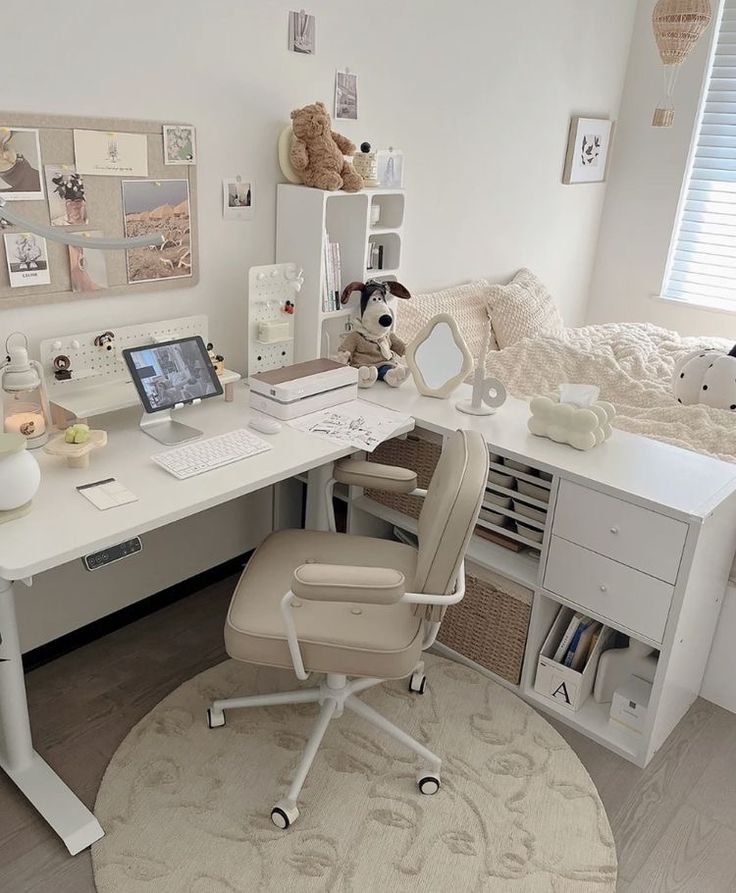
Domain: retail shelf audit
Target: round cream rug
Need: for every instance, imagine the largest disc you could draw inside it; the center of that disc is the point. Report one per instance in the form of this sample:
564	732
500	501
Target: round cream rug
187	809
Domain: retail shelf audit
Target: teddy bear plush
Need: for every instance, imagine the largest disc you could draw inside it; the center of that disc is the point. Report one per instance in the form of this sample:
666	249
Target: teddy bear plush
371	345
317	152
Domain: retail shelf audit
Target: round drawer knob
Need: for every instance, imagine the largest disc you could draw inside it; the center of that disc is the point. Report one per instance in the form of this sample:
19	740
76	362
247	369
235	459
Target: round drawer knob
614	530
603	587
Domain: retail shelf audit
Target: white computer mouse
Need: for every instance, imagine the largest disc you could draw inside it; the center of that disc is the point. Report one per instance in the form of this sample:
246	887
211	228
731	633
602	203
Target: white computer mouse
265	424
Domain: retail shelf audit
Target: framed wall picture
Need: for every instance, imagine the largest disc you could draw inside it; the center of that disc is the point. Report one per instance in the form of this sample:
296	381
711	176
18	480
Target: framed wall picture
588	148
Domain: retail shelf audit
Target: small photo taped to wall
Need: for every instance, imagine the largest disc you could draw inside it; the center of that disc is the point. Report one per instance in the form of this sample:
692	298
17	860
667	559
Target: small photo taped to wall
346	95
302	33
28	259
237	198
180	145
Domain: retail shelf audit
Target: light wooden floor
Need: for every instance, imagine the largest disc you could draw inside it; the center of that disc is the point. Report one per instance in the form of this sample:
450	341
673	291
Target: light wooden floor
674	823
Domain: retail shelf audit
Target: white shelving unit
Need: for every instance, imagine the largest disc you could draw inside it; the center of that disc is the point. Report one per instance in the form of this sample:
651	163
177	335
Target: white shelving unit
304	215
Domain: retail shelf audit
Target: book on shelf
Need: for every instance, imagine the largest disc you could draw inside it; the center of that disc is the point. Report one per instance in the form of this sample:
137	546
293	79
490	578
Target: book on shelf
332	283
561	651
580	648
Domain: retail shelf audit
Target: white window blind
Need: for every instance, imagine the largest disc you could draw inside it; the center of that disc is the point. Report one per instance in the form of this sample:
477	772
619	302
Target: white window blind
702	264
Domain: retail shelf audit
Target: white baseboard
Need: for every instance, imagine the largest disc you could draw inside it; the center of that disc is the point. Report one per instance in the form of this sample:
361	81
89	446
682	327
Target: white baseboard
719	682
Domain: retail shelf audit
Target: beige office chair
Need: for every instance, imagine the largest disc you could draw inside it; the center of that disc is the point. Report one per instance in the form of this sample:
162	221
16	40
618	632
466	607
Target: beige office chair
355	606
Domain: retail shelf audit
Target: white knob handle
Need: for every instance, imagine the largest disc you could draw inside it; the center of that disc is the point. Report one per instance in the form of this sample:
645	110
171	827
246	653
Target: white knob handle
614	530
75	344
603	587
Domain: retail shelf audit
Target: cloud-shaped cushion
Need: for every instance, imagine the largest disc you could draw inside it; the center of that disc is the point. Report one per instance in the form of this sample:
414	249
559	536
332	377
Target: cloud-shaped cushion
580	427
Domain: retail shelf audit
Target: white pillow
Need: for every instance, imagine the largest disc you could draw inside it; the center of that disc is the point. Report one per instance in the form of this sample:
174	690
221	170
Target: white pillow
467	304
522	309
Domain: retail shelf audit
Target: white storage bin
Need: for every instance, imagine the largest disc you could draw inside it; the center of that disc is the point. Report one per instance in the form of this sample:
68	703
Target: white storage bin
567	687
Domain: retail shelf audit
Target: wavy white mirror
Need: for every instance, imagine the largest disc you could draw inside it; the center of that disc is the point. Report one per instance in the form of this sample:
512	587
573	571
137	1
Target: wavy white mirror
438	357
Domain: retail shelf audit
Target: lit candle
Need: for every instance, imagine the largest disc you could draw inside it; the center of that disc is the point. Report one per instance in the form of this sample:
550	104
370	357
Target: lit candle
29	424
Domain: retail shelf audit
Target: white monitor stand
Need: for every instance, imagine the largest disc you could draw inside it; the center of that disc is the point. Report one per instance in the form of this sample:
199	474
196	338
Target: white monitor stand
164	429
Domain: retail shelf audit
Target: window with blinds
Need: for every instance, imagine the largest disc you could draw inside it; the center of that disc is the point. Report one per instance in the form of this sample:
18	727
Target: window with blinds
702	263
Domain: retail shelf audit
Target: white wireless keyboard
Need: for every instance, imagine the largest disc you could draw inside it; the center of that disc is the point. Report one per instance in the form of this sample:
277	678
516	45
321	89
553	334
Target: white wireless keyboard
214	452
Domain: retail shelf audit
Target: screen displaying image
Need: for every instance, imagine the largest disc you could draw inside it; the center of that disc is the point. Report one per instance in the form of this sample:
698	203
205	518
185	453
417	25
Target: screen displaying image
173	373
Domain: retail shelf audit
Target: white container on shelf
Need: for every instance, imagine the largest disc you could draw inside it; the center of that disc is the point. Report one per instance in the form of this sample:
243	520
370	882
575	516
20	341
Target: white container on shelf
502	480
540	493
630	703
528	511
567	687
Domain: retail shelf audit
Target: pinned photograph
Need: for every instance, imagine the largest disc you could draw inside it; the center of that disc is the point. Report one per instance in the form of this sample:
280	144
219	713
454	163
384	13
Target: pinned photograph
237	199
179	144
28	259
158	206
65	189
20	164
346	96
390	164
87	266
108	154
302	31
587	150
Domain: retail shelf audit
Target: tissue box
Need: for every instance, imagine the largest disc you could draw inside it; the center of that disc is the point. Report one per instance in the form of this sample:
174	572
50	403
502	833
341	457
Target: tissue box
582	427
630	703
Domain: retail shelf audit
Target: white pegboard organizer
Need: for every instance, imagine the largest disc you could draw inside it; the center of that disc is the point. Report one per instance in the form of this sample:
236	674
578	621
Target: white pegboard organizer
100	379
269	287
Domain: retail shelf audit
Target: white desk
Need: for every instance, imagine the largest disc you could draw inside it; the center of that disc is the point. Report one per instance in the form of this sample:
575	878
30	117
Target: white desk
638	534
63	526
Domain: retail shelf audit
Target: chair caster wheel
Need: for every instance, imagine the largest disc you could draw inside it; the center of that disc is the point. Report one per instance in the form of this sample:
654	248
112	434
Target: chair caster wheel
417	683
215	719
429	784
283	815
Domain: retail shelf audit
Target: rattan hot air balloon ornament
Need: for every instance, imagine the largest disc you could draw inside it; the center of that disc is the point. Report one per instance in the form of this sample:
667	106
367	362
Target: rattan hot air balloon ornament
678	25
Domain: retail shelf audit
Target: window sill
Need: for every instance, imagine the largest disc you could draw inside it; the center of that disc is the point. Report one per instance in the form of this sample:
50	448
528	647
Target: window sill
710	305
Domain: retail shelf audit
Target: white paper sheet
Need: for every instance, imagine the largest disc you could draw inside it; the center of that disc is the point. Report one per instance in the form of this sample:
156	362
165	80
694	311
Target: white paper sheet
360	424
107	494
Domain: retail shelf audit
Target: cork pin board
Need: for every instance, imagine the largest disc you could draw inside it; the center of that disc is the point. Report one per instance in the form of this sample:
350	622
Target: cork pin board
105	213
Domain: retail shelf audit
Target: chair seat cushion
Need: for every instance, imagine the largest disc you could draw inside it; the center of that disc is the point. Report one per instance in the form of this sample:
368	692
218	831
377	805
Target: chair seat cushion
335	637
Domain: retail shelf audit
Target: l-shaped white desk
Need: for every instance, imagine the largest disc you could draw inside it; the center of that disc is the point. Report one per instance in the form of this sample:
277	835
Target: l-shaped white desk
658	523
62	526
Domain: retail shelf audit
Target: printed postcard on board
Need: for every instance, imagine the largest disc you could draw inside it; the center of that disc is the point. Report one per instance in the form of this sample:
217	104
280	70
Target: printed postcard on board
107	154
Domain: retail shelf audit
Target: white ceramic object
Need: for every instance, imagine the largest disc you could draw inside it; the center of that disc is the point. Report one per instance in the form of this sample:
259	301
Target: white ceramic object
76	455
580	427
497	499
706	376
528	511
488	394
20	477
503	480
438	358
286	137
540	493
617	664
530	533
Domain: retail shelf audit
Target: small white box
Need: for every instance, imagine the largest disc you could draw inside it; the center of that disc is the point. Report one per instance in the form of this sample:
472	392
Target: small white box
273	330
630	703
567	687
303	388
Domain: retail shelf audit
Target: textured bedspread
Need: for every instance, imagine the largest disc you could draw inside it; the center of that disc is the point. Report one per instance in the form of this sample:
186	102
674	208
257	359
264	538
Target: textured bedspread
632	363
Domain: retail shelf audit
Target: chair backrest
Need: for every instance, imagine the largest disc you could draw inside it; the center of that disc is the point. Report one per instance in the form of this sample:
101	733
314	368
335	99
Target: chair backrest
450	511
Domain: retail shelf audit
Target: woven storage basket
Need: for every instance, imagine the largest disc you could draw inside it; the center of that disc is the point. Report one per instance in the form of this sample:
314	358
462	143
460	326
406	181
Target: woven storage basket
415	452
490	625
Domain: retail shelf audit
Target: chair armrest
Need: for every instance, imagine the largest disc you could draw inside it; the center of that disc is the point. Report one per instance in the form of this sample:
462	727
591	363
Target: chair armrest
360	473
345	583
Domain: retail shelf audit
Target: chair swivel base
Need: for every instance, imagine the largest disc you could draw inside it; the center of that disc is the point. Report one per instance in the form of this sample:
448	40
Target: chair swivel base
334	694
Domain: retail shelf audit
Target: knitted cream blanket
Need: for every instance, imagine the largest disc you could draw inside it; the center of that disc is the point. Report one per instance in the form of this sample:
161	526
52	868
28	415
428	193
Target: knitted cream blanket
632	364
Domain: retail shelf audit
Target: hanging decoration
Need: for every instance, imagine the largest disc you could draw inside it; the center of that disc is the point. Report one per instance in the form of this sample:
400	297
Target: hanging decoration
678	25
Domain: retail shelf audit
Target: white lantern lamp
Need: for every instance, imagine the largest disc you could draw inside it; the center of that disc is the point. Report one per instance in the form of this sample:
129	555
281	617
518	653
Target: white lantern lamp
25	400
19	477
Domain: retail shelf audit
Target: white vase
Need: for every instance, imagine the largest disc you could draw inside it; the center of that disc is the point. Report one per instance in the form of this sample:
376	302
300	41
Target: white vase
20	477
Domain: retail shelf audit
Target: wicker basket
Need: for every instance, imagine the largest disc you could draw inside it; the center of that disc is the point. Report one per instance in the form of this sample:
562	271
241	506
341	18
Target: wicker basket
490	625
418	453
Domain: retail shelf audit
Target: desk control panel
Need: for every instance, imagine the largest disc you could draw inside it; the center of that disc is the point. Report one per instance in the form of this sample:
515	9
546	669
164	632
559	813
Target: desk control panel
114	553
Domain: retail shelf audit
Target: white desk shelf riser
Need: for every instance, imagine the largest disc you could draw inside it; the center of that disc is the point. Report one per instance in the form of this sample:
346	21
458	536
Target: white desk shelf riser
100	379
303	217
639	534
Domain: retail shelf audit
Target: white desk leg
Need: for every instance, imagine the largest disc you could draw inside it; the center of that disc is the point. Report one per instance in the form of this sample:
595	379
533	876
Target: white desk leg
67	815
316	512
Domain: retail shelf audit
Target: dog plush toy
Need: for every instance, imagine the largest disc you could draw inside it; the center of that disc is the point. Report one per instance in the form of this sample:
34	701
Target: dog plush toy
371	346
318	152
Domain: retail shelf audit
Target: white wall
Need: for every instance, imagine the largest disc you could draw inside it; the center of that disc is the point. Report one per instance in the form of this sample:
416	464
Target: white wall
478	95
648	166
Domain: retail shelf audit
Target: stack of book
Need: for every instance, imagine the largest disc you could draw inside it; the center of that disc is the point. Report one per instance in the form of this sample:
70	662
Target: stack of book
332	282
578	641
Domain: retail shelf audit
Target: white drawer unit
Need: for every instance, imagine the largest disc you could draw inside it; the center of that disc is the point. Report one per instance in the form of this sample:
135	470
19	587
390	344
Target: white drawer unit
608	589
641	538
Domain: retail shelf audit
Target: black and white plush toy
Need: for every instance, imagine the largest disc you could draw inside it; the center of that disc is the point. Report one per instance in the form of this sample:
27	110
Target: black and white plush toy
707	376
